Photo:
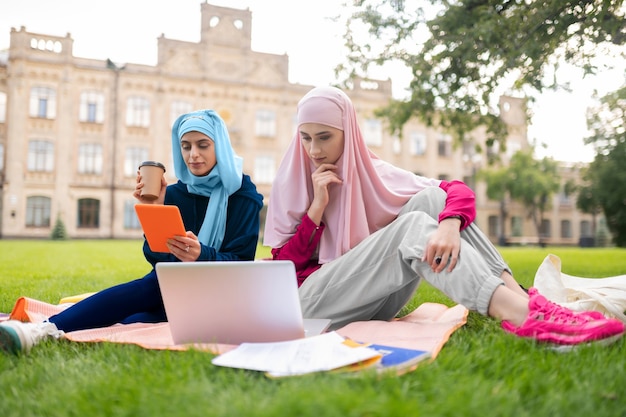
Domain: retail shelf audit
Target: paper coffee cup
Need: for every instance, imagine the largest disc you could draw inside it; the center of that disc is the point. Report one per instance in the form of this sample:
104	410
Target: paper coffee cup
151	173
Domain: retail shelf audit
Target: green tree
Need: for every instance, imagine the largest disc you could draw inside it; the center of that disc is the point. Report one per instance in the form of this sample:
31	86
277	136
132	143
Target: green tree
58	231
460	53
526	180
606	175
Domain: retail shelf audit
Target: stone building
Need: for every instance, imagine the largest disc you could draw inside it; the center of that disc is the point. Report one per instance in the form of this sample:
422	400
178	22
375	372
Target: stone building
73	130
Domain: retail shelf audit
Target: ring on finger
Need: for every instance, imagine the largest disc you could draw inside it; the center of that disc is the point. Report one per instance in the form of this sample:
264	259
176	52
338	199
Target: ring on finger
187	248
437	260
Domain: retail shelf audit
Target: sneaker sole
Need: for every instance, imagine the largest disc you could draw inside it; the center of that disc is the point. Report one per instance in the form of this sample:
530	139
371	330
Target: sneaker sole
601	342
10	340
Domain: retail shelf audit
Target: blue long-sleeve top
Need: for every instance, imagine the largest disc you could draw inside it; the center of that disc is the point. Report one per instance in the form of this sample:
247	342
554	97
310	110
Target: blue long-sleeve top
242	223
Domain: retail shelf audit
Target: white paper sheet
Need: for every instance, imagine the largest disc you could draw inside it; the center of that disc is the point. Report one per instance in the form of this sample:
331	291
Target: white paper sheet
295	357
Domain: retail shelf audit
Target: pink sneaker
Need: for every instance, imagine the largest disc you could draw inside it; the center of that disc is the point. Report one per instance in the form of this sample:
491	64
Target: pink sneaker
551	323
591	315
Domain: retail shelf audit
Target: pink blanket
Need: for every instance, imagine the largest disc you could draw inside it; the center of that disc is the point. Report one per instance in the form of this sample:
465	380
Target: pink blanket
426	328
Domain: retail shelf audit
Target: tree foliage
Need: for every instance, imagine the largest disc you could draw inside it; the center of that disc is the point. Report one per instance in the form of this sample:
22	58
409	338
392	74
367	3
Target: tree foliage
529	181
460	53
606	175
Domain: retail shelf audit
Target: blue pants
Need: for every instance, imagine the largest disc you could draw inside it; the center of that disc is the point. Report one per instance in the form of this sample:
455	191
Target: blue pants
135	301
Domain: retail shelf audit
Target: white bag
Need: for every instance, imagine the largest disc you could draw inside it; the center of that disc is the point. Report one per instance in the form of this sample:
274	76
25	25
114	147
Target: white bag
607	295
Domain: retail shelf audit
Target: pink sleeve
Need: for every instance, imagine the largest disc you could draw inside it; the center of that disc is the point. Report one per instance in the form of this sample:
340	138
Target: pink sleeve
460	201
301	247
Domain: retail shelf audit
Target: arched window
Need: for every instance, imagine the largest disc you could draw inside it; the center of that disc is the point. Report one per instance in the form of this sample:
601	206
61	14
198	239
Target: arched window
88	213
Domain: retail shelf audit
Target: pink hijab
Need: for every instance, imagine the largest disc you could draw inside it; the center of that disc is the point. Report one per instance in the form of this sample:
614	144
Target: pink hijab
372	193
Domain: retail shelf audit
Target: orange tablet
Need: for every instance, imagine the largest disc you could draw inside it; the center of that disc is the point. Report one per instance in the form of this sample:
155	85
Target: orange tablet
159	223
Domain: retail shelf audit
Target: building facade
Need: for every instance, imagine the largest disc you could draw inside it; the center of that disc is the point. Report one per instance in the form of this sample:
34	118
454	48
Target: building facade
73	131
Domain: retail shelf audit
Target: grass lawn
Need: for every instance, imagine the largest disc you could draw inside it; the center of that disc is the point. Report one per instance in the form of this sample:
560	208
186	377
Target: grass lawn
481	371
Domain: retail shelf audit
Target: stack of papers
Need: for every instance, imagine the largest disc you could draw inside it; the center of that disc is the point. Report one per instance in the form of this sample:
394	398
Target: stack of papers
325	352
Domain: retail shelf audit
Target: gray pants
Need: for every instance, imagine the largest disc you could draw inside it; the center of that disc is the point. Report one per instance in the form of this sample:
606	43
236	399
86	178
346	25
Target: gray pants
375	279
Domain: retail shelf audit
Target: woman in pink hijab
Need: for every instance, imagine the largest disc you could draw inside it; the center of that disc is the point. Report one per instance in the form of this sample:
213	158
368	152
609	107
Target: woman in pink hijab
363	233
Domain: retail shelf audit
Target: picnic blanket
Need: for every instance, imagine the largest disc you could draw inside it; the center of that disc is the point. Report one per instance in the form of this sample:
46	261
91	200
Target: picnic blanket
427	328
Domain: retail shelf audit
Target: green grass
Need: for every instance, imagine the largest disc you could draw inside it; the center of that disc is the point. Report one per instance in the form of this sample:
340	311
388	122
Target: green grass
480	372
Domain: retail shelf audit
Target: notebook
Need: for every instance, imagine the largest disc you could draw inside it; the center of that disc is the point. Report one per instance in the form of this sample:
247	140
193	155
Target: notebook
234	302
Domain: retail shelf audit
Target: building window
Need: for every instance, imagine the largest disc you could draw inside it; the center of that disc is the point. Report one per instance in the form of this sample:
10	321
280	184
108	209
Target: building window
373	132
3	107
264	170
46	45
90	158
545	229
266	123
131	221
444	146
493	151
565	194
91	108
585	228
40	156
493	226
179	108
396	144
38	211
134	157
43	103
138	112
469	149
516	226
88	213
417	143
566	229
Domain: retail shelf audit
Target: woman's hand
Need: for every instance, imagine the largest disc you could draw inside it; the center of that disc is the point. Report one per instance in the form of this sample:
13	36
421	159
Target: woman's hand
185	248
142	200
323	177
444	245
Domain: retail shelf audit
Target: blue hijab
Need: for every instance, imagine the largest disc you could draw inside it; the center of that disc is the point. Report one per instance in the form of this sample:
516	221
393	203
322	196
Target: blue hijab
222	181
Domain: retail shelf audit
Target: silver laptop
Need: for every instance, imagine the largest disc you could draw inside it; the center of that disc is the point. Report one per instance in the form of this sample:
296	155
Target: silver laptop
234	302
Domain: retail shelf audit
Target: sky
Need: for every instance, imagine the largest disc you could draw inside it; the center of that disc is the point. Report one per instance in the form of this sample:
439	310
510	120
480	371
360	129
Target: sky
127	31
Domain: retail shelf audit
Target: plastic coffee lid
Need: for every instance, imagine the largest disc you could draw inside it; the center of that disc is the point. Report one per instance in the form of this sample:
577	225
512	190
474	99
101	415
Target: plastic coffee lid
152	164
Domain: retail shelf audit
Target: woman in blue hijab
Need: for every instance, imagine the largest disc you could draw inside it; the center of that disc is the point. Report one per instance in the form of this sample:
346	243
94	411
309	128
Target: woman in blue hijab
220	209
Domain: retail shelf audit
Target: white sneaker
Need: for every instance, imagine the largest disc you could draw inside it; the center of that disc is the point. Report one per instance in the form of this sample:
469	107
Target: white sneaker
17	336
